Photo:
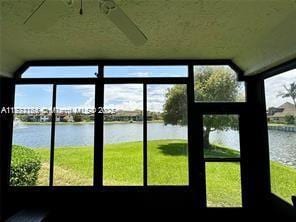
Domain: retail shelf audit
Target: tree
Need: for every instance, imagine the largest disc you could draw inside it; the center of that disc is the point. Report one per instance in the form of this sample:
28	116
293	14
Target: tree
77	117
290	91
289	119
25	118
175	107
211	84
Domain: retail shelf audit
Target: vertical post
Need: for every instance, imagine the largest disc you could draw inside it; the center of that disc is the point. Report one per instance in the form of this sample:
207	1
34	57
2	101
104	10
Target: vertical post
7	92
52	138
243	136
255	157
195	146
99	129
145	157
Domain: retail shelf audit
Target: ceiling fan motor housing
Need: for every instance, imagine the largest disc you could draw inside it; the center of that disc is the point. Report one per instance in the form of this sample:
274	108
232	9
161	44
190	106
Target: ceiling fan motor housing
107	6
68	2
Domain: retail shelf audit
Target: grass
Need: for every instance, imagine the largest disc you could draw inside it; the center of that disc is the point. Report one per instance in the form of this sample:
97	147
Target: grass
167	165
223	184
283	181
220	151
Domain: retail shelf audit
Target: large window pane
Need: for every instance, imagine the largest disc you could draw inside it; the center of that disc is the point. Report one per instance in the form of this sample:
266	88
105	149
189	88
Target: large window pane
145	71
223	185
123	135
167	135
281	119
221	136
74	135
60	72
217	84
31	135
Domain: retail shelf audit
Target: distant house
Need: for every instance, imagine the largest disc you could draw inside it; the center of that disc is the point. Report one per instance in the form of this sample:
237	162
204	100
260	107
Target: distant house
278	114
64	117
125	115
44	118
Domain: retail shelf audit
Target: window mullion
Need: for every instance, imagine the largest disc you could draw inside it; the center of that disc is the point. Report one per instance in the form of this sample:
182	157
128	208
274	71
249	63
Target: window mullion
52	141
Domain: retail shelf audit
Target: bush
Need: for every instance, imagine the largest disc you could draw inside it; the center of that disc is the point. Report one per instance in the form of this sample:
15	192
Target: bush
77	117
290	119
25	165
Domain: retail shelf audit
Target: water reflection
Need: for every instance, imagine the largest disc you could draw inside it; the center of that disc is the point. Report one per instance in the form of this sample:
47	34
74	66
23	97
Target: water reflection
282	144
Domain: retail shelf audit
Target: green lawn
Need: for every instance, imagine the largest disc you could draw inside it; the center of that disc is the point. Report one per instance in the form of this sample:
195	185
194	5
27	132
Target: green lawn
167	165
283	181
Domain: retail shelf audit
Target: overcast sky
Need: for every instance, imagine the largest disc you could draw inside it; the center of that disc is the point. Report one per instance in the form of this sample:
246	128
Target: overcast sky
275	84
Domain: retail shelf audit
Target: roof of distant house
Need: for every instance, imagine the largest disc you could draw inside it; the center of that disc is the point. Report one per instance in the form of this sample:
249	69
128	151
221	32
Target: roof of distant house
288	110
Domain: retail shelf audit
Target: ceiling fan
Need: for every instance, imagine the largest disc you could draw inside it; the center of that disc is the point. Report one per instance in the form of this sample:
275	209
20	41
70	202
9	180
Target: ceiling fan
40	19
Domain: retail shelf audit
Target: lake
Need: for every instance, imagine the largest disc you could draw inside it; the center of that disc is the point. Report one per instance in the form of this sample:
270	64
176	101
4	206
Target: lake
282	144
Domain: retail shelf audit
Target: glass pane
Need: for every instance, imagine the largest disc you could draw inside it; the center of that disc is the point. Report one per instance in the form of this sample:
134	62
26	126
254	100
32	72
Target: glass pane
31	136
221	136
145	71
123	135
223	184
217	84
60	72
74	135
167	135
280	94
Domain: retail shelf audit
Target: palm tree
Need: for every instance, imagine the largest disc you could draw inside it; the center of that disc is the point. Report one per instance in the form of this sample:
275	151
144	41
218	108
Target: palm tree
290	91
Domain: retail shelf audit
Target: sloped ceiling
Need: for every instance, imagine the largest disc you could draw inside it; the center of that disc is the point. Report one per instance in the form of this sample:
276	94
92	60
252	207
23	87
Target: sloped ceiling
255	34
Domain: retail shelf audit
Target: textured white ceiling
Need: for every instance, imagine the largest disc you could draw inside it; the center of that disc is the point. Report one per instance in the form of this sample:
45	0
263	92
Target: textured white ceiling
255	34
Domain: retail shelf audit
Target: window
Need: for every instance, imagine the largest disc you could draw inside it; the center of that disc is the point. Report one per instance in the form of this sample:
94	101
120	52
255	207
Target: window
145	71
31	136
223	184
60	72
123	135
222	157
217	84
145	133
67	159
221	136
73	138
74	135
167	135
281	120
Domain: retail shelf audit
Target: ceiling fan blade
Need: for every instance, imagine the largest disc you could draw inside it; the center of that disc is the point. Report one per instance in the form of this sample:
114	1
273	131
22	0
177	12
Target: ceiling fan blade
35	10
46	14
122	21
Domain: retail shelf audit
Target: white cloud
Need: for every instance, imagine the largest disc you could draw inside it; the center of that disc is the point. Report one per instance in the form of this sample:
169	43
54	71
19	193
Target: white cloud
87	91
19	94
48	89
275	85
139	74
156	97
130	97
126	96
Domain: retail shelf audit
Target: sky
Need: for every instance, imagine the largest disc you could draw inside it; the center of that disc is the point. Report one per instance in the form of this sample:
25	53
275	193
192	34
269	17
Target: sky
275	85
123	96
116	96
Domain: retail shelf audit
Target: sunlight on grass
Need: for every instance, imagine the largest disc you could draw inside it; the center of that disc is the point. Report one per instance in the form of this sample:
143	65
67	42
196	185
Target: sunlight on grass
223	185
167	165
123	164
283	181
167	162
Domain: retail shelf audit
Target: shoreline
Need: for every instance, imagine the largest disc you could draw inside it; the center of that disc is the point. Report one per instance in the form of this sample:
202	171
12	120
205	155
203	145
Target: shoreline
85	123
282	127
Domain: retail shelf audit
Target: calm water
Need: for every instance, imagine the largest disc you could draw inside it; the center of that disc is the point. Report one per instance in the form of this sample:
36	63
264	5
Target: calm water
282	144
